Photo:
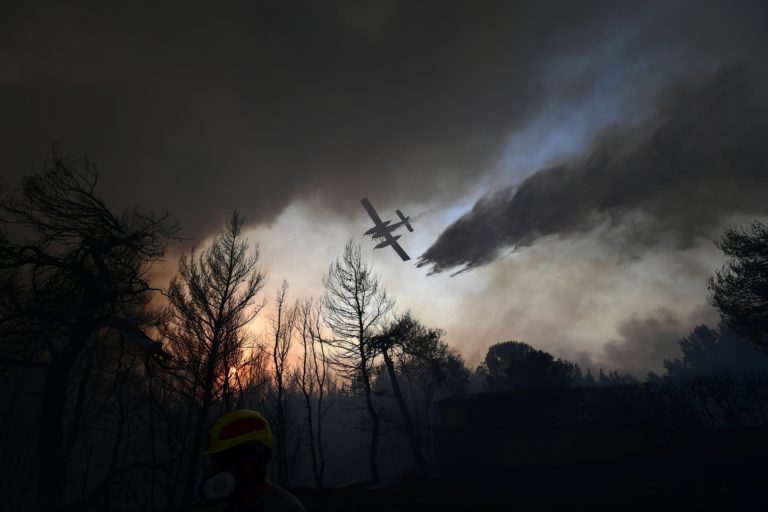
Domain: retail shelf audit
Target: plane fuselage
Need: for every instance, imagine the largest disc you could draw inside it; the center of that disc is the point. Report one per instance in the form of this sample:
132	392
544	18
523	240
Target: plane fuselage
383	229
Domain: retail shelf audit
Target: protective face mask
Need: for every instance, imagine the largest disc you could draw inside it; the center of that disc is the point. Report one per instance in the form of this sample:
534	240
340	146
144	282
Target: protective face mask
218	487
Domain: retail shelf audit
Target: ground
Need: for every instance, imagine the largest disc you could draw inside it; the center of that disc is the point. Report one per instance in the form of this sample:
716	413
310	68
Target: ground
714	484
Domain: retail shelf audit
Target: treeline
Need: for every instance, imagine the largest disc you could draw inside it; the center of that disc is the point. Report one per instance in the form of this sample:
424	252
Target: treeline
109	385
720	379
704	353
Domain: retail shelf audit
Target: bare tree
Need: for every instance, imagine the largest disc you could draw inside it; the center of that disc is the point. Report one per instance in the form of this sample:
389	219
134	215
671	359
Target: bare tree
355	305
283	326
325	388
70	267
212	300
312	378
251	379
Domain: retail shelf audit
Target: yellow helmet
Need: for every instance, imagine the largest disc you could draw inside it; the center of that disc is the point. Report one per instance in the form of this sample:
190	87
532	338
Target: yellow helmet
236	428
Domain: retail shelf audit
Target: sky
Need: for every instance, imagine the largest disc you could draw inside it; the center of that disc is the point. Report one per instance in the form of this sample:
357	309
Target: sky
566	165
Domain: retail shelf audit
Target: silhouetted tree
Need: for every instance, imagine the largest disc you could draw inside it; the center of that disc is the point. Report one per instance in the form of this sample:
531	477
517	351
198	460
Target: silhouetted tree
70	268
212	300
740	289
251	379
403	333
612	378
514	366
283	327
708	351
355	305
433	367
418	361
313	380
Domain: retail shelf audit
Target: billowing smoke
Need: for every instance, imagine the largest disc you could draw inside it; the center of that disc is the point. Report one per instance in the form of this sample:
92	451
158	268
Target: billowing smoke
254	105
647	340
258	104
674	178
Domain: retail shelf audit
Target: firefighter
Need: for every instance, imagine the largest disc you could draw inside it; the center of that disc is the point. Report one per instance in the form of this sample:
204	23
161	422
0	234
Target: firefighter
239	448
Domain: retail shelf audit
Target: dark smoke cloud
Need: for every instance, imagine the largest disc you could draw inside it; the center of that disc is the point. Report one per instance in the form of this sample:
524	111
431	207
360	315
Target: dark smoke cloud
199	108
677	177
647	340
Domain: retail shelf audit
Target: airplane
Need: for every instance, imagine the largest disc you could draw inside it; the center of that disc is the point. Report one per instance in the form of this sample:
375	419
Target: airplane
384	229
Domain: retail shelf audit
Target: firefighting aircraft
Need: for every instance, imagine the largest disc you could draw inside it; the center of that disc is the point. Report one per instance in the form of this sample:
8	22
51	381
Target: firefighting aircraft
383	229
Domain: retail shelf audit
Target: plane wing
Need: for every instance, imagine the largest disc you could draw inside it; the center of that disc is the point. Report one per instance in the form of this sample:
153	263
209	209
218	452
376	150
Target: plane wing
369	208
399	250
